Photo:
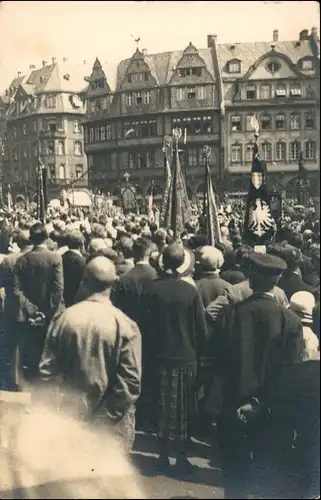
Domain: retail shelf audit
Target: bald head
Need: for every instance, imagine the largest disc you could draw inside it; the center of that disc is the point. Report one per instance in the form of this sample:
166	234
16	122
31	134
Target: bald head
100	274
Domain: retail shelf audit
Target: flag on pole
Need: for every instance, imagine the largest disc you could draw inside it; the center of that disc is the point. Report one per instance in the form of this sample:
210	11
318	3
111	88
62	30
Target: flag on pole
151	203
177	211
211	224
259	224
41	209
167	184
10	202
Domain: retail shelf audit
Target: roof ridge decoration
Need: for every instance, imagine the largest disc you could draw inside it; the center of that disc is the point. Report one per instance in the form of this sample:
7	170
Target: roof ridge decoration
274	54
97	65
191	49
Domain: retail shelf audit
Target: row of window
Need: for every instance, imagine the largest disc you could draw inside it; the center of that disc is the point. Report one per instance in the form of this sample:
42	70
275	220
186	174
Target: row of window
234	66
183	72
194	125
137	98
282	151
138	77
278	122
199	93
267	91
52	172
56	125
48	148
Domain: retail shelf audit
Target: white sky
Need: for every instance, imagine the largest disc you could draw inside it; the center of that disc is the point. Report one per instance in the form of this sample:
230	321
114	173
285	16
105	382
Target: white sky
33	31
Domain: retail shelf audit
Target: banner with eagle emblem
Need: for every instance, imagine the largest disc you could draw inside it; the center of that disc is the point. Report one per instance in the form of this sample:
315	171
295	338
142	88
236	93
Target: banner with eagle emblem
259	225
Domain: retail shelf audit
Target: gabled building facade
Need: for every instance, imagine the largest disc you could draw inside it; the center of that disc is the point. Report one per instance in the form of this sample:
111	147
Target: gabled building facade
278	82
43	123
212	94
125	127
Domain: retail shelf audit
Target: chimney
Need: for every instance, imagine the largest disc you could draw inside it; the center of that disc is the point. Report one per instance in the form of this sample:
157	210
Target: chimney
19	74
32	66
211	39
304	35
144	52
275	35
314	33
53	60
44	63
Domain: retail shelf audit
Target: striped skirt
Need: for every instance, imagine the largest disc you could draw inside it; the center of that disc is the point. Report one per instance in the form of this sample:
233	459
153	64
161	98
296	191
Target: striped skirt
177	401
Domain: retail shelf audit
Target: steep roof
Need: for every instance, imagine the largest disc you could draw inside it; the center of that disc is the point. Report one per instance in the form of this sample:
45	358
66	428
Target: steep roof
249	53
17	81
163	65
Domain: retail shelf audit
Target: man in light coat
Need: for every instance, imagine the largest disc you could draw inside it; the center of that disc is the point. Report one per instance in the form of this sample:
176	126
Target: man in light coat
96	350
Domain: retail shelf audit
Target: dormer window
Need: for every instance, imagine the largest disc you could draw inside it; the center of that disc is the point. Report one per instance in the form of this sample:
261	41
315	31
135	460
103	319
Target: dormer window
183	72
273	66
295	90
234	67
307	64
280	91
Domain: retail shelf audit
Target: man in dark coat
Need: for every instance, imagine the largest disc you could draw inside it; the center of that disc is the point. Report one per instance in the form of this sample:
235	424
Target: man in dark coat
128	292
73	264
209	284
38	293
253	339
129	295
291	280
177	338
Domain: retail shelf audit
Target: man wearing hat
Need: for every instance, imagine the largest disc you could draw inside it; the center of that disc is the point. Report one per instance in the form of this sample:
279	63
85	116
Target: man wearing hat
254	338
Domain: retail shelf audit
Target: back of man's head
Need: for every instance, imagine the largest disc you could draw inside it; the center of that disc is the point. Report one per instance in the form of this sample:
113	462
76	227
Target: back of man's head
125	247
100	274
23	239
142	248
75	240
38	234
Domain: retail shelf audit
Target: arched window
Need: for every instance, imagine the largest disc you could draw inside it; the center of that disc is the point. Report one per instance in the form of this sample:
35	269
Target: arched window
266	149
236	153
62	172
77	148
280	151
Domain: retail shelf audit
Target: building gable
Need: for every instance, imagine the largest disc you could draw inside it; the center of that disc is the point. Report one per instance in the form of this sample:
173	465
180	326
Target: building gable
138	73
190	69
272	65
98	79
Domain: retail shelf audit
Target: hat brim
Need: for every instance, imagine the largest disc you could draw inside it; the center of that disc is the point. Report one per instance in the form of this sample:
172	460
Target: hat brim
184	268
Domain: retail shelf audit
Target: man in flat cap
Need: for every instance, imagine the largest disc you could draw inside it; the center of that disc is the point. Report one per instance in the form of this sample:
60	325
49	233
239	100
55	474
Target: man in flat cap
253	340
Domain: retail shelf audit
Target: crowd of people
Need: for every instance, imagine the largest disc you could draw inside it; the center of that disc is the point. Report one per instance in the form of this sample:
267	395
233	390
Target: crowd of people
139	329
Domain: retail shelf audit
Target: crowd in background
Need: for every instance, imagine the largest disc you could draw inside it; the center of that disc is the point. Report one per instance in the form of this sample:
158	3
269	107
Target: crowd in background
132	320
